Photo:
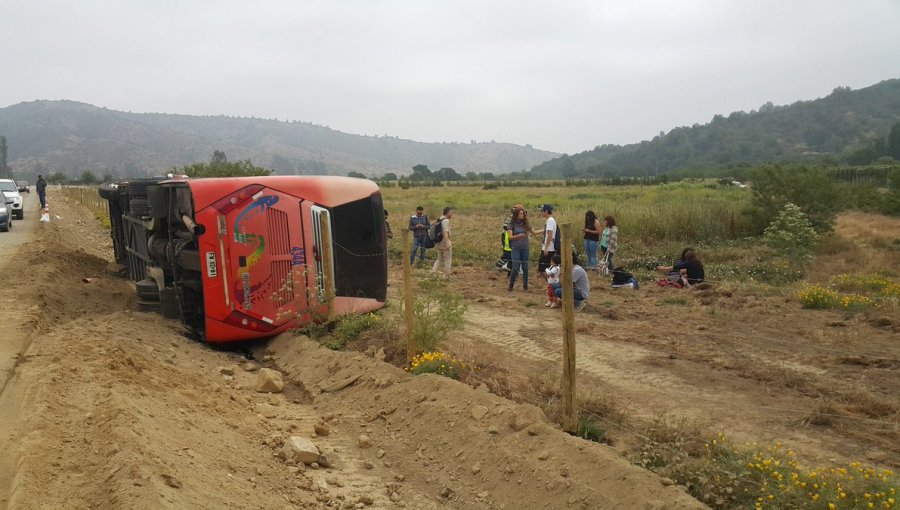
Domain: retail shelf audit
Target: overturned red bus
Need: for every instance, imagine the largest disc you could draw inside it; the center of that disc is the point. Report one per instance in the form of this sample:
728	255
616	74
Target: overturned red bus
248	257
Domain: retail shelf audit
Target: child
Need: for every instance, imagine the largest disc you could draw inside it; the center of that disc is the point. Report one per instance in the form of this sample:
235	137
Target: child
553	278
503	263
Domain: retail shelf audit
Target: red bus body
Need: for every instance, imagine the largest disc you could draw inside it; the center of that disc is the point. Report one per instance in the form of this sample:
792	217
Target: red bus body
255	249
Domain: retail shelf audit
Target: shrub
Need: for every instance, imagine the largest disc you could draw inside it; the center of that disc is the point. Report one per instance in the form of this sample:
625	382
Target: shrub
436	362
791	234
818	297
438	311
350	328
817	195
591	430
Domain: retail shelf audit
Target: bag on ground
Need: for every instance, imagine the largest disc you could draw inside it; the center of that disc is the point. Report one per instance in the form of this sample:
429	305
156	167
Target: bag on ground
623	279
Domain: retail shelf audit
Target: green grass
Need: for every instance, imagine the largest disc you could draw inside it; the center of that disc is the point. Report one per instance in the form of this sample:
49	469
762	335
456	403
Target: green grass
655	224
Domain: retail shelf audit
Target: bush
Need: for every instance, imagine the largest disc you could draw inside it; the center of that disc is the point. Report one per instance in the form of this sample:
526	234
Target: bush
811	189
436	363
438	311
791	234
818	297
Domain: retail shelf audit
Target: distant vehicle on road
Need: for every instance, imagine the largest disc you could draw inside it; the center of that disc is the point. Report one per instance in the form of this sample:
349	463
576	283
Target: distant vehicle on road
23	186
12	191
6	215
238	258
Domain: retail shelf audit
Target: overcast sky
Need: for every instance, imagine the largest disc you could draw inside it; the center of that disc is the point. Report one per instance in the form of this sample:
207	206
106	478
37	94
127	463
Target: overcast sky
563	76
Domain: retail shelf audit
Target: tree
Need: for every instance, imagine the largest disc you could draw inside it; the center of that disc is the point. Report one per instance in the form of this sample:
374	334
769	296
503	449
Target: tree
447	174
811	189
893	142
390	176
87	177
421	173
4	169
218	158
56	178
472	176
356	175
236	169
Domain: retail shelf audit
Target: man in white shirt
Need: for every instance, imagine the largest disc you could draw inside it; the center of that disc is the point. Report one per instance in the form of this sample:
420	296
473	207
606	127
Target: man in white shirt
444	247
548	248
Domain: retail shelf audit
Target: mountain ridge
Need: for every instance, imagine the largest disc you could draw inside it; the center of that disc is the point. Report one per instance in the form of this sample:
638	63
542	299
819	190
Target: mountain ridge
45	136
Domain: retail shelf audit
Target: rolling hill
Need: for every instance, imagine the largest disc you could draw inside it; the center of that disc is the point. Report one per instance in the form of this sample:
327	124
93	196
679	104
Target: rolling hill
68	136
834	128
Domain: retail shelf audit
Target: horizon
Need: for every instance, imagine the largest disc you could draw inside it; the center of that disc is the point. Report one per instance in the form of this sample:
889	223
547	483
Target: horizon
388	135
563	78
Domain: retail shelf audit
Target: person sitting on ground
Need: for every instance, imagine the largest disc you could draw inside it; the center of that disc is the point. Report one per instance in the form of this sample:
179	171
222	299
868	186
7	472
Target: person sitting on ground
688	270
582	287
553	277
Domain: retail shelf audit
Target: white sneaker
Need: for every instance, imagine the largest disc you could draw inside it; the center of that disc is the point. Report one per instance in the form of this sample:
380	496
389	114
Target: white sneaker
554	305
580	306
549	303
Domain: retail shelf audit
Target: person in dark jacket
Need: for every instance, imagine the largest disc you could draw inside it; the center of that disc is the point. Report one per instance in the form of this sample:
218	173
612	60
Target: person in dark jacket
689	269
41	186
418	224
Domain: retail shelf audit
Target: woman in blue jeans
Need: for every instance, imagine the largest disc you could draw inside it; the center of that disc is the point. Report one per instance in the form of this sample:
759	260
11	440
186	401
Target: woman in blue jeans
519	229
591	231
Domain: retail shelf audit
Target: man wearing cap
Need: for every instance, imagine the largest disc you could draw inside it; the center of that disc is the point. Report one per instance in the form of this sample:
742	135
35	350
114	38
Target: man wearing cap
548	248
444	247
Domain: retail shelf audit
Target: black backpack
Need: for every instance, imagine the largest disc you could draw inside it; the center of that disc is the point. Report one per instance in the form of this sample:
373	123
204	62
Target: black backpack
436	231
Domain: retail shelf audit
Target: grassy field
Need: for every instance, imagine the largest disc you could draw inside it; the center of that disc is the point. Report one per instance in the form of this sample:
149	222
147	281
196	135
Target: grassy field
655	223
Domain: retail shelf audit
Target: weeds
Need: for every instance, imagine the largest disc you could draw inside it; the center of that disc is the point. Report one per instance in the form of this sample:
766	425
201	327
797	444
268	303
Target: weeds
438	311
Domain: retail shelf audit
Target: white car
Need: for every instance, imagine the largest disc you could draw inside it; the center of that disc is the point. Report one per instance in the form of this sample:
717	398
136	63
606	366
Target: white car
11	190
5	212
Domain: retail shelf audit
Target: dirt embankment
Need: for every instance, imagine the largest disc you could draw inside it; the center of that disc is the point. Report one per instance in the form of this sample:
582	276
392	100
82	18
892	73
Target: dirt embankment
111	408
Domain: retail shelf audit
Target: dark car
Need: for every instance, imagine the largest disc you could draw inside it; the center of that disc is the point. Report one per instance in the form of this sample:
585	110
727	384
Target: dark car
23	186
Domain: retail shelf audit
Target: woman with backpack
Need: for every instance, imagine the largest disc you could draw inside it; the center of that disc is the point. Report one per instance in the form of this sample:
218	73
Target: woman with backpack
591	240
612	242
519	229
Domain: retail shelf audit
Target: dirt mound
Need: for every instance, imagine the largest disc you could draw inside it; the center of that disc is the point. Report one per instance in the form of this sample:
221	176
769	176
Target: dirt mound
469	447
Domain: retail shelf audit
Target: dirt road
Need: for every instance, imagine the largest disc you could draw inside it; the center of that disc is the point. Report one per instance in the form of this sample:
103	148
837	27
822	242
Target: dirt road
110	408
744	360
11	314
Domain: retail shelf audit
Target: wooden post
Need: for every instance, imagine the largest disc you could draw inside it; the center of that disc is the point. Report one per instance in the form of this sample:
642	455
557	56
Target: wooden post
408	300
570	421
325	228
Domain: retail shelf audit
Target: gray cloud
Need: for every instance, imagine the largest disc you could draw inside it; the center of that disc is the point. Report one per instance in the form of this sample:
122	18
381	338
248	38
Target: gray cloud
562	77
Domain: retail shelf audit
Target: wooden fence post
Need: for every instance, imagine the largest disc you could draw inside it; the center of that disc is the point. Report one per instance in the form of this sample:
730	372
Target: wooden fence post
408	300
570	422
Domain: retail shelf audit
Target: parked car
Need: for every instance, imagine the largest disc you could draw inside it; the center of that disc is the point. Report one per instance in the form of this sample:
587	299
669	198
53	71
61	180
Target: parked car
239	258
12	191
6	216
23	186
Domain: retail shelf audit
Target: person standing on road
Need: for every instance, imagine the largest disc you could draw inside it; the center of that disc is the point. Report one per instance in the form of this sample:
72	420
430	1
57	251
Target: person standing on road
444	247
418	224
41	187
548	246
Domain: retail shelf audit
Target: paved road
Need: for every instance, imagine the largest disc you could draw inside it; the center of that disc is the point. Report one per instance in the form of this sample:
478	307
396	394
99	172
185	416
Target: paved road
13	339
